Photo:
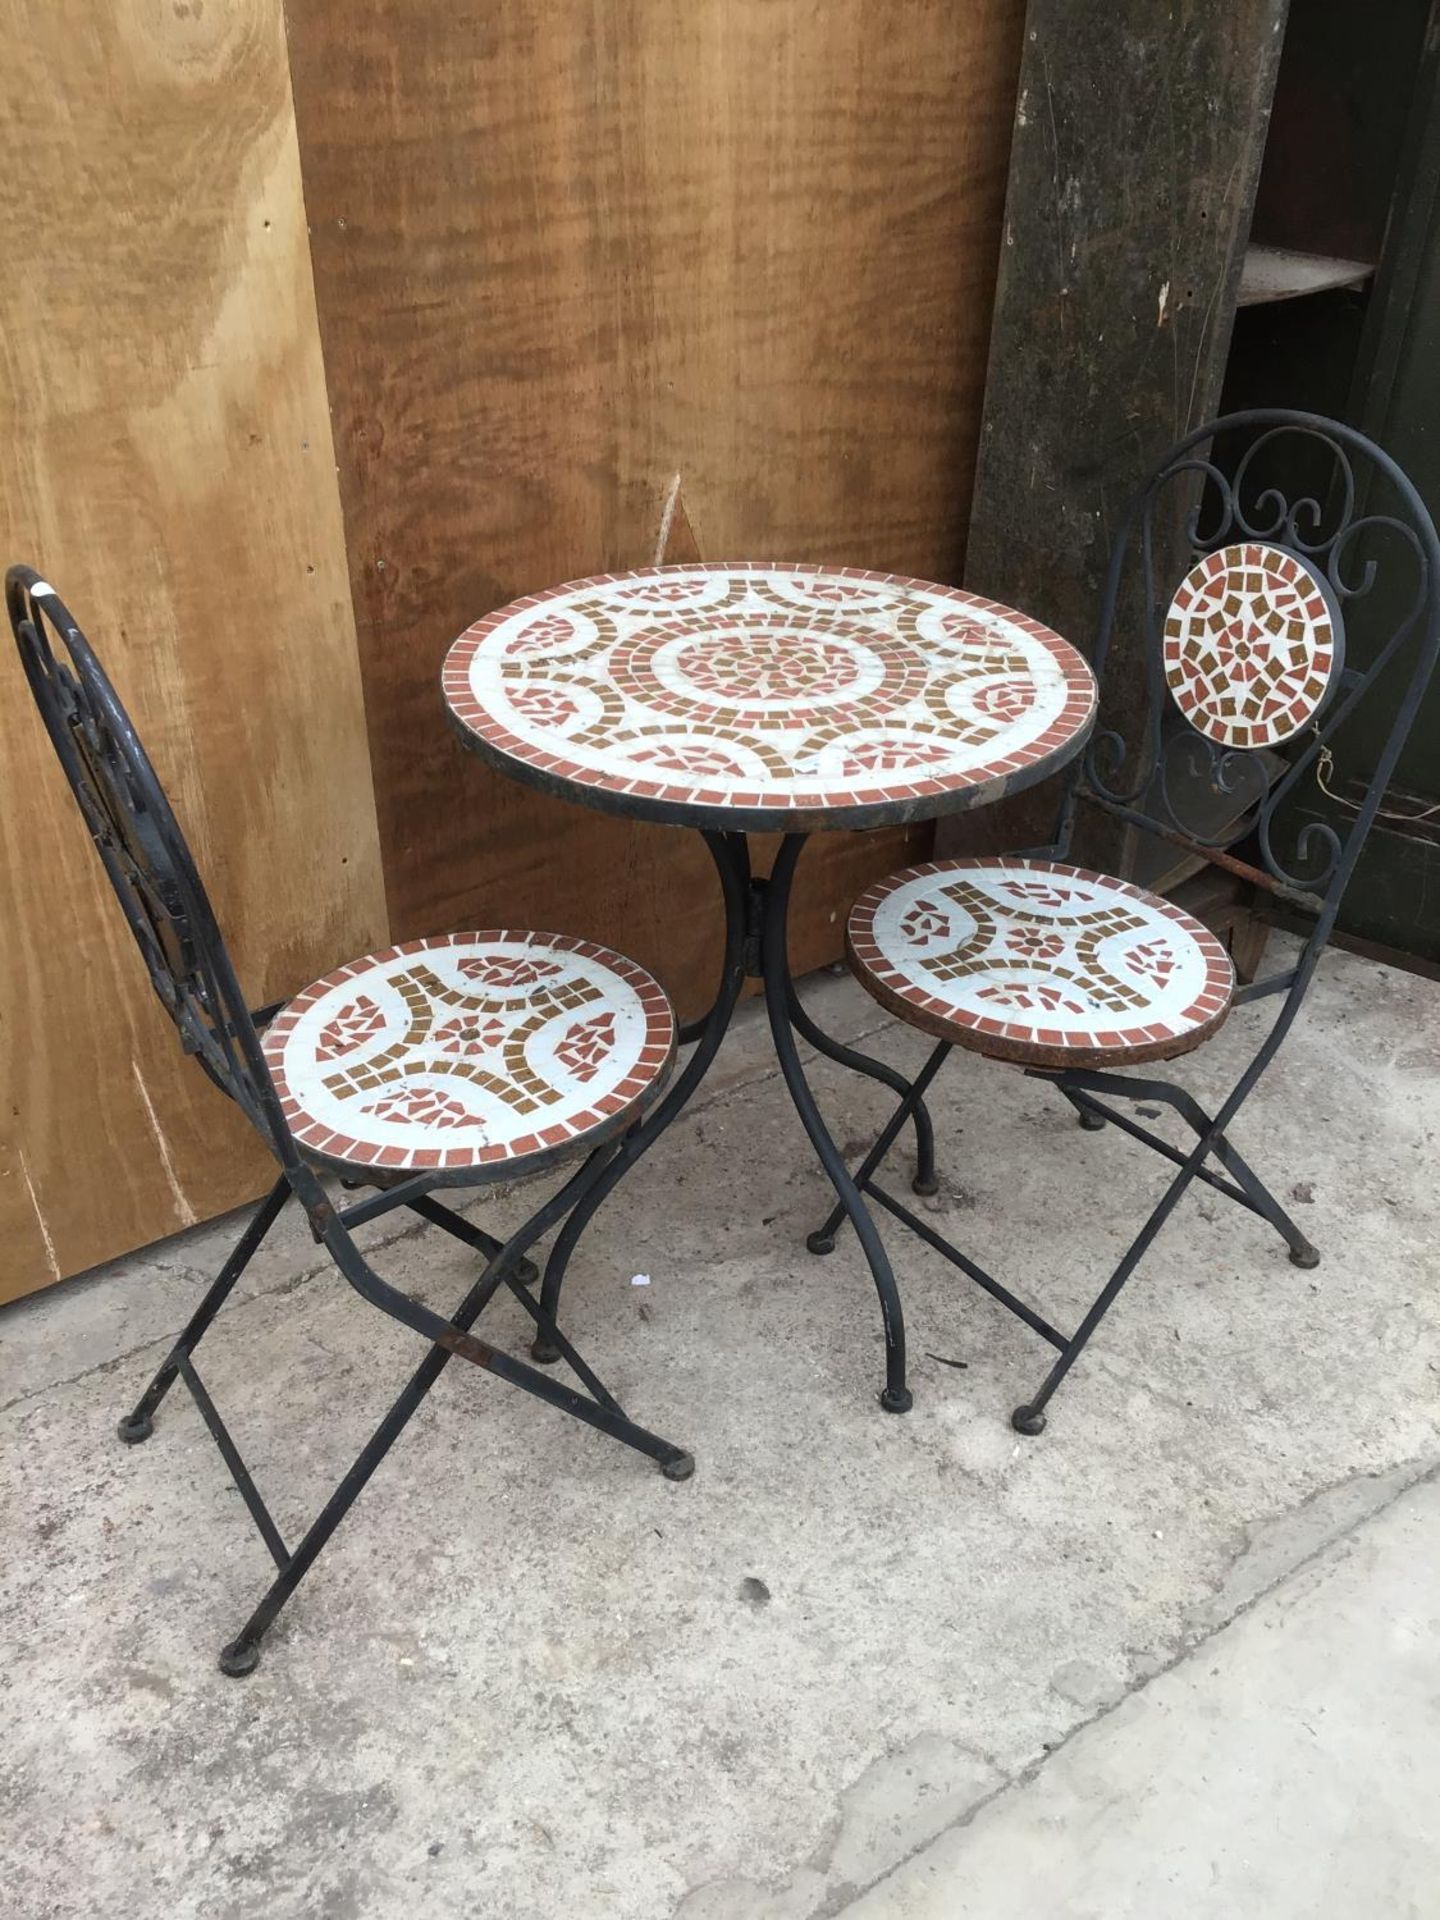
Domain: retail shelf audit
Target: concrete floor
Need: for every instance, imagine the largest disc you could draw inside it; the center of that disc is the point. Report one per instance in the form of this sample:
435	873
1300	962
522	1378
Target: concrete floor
1177	1657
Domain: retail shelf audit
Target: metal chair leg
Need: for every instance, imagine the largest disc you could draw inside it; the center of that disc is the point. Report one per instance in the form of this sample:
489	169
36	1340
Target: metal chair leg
1030	1418
1079	1086
453	1223
1303	1252
924	1182
242	1655
1248	1190
823	1238
1261	1200
1090	1120
138	1424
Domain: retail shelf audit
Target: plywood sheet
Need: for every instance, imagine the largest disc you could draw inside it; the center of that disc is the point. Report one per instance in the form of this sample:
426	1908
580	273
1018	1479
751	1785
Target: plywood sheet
565	251
168	463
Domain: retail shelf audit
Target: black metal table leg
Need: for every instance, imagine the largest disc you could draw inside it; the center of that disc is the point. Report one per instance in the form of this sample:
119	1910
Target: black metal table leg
731	854
924	1182
756	945
896	1396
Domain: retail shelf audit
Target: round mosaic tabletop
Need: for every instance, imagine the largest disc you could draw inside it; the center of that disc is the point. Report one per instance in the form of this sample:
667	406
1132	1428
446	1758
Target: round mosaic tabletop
752	696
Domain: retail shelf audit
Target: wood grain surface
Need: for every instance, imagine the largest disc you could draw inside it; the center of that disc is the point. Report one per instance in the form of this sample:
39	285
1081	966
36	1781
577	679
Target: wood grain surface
566	251
1138	136
168	463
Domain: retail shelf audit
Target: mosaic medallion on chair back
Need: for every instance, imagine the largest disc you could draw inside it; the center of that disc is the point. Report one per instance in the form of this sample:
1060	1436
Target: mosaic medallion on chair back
767	687
1041	955
1252	645
467	1050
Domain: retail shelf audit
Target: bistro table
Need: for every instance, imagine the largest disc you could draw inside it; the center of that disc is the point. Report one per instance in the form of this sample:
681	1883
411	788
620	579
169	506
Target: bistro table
753	697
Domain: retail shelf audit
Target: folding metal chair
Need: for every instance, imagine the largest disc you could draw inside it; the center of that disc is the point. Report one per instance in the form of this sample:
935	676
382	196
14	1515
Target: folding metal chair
442	1063
1071	974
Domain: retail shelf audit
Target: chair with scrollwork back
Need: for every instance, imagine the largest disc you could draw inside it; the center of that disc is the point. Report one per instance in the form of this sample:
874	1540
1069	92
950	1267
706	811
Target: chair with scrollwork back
450	1062
1072	974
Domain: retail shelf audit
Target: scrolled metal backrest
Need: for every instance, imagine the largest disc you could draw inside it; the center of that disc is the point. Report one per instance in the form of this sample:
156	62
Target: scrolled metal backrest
143	851
1284	574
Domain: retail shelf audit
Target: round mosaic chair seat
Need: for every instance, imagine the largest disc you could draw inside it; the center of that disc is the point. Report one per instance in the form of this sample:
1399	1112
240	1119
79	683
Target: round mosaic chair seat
1039	963
470	1053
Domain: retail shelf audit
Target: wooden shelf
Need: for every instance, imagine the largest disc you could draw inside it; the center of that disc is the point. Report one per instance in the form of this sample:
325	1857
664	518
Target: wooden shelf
1277	273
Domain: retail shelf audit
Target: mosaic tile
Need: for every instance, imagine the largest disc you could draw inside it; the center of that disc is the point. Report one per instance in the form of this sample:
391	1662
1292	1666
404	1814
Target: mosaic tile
1031	960
1252	645
765	688
468	1051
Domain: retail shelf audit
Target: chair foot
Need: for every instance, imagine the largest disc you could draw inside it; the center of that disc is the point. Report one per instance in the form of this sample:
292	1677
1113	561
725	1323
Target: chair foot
239	1658
134	1428
544	1352
819	1242
1027	1420
927	1185
897	1399
1305	1255
1091	1122
680	1468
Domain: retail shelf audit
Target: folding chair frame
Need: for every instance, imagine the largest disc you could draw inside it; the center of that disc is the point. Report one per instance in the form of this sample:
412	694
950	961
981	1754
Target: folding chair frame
1339	529
149	864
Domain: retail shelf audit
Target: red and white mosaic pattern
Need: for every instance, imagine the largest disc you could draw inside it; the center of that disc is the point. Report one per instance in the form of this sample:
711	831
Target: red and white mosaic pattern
1030	959
768	688
1251	646
468	1051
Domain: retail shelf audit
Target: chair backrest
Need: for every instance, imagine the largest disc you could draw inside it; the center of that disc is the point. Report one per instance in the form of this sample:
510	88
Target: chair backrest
144	853
1288	527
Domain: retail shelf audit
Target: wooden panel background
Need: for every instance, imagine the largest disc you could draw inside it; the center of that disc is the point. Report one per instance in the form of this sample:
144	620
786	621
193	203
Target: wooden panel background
168	463
567	249
564	253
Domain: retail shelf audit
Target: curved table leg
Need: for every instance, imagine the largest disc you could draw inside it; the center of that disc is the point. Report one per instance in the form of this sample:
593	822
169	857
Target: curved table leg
896	1396
731	854
925	1182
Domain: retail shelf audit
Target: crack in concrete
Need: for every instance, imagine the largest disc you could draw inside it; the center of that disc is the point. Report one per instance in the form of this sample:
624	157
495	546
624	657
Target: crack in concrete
289	1283
1424	1473
833	1901
1271	1539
